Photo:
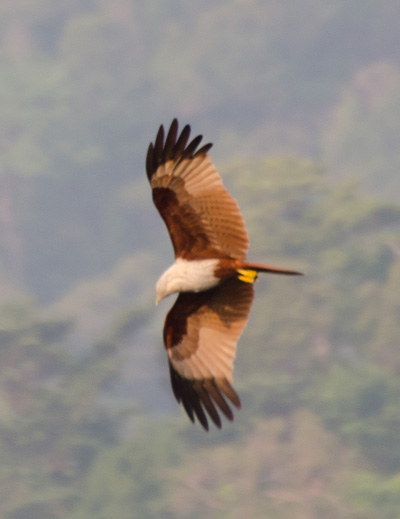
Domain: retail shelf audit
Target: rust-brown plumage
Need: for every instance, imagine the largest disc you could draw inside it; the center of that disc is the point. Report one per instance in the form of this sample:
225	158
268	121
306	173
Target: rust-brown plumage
202	218
198	373
207	232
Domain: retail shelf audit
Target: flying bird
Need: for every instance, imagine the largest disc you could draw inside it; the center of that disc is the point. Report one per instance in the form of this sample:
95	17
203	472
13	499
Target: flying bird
211	276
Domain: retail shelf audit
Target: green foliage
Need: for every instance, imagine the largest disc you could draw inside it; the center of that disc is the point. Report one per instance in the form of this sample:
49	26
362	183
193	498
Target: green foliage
130	480
362	137
370	493
387	329
51	424
274	470
360	403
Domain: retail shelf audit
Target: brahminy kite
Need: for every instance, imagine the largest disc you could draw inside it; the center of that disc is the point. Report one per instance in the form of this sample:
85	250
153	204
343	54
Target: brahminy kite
213	280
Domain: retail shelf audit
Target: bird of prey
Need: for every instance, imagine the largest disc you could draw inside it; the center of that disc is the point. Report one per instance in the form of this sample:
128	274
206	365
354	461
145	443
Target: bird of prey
211	276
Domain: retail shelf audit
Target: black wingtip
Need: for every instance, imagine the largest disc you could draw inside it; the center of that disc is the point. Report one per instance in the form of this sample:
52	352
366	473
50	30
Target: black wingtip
203	150
174	147
199	397
170	141
149	161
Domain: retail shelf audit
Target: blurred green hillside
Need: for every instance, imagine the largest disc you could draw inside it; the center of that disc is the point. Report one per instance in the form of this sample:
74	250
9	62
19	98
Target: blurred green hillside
302	101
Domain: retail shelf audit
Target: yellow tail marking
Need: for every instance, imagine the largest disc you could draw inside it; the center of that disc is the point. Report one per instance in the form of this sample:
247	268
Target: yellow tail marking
248	276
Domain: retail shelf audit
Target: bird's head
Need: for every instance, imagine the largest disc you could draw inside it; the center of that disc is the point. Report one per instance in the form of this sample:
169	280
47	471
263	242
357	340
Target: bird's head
165	286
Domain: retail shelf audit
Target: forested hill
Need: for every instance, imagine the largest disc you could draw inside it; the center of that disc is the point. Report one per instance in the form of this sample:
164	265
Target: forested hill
86	85
302	102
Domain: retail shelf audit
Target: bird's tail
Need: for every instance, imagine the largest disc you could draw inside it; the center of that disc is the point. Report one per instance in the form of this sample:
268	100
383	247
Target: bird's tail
248	271
259	267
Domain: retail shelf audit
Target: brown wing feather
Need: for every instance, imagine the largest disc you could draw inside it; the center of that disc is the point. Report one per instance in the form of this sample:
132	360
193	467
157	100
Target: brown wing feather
201	216
200	334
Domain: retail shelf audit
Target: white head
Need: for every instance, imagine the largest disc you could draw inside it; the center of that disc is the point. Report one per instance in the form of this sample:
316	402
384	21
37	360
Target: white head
187	276
166	285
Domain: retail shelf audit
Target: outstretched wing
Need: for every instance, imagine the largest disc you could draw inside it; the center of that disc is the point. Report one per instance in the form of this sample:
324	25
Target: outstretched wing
200	334
202	218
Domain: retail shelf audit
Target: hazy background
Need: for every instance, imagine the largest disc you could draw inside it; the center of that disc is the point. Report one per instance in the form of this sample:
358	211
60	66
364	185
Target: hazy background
302	102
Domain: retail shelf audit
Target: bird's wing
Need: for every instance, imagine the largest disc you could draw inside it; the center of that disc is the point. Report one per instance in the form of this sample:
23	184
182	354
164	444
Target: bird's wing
200	334
202	218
